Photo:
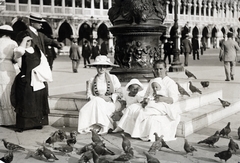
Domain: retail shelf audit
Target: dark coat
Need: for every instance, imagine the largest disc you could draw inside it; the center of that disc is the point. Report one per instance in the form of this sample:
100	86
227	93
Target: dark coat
42	40
195	44
74	52
86	51
186	46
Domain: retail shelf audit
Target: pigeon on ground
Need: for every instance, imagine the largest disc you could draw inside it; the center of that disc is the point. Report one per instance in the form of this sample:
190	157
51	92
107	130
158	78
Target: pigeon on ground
95	156
11	146
232	145
224	155
224	103
181	90
125	156
238	132
188	148
86	156
211	140
95	137
126	144
189	74
205	84
73	134
156	145
35	154
226	130
65	149
8	157
71	141
48	154
150	158
85	148
164	144
101	149
194	89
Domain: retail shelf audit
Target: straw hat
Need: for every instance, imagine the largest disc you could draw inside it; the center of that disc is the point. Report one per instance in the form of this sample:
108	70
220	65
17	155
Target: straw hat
36	17
6	29
134	81
102	60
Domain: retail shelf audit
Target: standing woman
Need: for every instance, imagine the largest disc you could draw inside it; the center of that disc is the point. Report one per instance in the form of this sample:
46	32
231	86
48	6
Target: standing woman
7	75
30	91
102	91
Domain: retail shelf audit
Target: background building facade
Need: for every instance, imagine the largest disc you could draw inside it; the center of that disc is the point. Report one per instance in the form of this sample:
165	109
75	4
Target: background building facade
209	20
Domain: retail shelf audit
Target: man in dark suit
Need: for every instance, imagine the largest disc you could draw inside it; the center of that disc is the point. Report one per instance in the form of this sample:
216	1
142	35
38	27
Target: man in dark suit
195	47
168	46
74	55
187	49
39	39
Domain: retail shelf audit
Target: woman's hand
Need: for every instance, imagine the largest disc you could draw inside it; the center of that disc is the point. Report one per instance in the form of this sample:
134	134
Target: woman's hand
106	98
160	98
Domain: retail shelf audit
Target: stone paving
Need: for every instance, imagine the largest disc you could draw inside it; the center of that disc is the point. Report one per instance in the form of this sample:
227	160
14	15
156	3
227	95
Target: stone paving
208	68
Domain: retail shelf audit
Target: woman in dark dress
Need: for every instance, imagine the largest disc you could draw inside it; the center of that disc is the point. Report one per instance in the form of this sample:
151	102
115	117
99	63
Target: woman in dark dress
30	95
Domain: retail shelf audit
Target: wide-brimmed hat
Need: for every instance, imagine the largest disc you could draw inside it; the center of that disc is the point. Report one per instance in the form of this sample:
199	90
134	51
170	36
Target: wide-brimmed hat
6	29
102	60
134	81
36	17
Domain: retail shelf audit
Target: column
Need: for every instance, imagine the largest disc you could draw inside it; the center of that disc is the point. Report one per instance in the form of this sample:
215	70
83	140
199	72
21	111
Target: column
73	7
195	10
29	6
92	7
167	7
109	4
63	6
173	11
41	6
184	8
17	5
189	11
209	10
204	11
101	7
52	6
200	10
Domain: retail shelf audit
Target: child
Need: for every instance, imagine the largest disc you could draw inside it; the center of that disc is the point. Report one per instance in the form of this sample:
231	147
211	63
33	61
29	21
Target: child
129	97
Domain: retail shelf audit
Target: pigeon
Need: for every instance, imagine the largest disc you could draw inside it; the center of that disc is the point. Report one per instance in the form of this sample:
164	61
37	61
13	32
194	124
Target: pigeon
125	156
150	158
35	154
73	134
188	148
194	89
101	149
126	144
95	156
85	148
238	132
233	145
226	130
95	137
11	146
189	74
211	140
224	103
71	141
57	136
181	90
164	144
48	154
204	84
64	149
8	157
62	135
86	156
224	155
156	146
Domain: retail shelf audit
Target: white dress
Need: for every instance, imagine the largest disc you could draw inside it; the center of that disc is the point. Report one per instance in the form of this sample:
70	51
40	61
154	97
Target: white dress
97	110
7	75
155	117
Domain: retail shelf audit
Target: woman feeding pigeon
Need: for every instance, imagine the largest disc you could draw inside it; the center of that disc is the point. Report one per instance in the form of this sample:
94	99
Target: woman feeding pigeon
103	90
158	115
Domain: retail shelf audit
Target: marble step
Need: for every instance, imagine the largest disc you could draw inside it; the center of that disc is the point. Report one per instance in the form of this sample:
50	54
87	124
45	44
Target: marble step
75	101
201	117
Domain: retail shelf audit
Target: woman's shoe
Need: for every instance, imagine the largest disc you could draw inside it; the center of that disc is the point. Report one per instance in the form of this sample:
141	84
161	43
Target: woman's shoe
19	130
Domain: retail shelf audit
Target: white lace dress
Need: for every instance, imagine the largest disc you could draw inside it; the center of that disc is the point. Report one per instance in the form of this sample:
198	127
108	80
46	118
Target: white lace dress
97	110
7	75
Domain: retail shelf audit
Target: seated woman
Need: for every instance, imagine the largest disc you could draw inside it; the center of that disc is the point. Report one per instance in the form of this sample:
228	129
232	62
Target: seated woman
157	115
103	90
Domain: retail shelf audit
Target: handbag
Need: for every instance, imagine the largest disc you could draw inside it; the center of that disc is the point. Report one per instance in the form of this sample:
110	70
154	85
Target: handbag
221	55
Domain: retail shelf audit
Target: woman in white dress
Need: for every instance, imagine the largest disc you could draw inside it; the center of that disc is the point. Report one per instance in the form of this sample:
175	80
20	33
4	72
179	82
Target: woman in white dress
143	120
103	90
7	75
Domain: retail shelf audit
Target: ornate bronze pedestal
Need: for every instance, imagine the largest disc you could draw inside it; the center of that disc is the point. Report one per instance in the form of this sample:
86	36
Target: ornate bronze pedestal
137	27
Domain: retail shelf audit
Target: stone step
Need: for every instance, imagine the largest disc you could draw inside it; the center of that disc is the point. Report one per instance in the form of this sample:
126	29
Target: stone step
201	117
75	101
63	118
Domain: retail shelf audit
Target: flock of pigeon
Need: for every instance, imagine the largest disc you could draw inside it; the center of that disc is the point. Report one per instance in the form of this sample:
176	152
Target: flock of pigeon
96	150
